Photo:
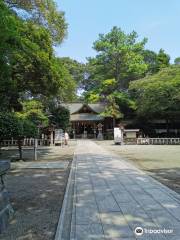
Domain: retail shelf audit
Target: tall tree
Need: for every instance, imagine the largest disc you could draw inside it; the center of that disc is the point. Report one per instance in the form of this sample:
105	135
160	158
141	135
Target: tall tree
163	59
151	59
28	64
44	13
112	109
75	68
119	56
177	61
158	96
17	127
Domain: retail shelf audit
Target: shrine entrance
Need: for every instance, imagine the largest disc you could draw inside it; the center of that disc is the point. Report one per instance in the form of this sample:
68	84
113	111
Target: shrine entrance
87	121
85	129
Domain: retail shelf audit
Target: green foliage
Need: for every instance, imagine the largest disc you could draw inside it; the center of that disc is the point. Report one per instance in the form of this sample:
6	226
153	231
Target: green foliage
125	102
163	59
151	60
91	97
76	69
60	117
119	57
43	13
155	61
158	95
8	126
33	110
27	61
177	61
112	109
105	88
9	39
67	83
18	127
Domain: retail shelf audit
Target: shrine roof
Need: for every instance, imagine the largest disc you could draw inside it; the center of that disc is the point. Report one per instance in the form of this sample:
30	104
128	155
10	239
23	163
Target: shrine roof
75	107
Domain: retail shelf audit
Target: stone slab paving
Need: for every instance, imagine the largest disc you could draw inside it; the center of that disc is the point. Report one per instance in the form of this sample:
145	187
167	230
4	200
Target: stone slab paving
113	197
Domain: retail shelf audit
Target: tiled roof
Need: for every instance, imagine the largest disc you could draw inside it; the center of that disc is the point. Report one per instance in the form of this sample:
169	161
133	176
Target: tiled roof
75	107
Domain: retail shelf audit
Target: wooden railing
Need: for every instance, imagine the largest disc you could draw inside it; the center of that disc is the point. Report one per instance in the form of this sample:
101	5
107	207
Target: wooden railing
158	141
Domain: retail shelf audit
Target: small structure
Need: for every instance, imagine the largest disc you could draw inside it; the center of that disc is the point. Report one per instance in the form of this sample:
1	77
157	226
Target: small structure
130	136
59	137
118	135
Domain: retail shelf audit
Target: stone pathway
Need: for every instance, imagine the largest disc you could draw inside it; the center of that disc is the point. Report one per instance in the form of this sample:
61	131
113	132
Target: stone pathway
112	198
40	165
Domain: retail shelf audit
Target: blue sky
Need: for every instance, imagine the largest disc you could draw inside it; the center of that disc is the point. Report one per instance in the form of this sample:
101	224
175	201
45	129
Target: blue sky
158	20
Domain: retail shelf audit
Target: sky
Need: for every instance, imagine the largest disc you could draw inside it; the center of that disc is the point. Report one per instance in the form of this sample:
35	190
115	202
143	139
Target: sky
158	20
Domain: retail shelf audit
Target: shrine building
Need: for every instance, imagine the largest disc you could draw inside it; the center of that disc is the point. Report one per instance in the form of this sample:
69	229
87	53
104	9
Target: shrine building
86	120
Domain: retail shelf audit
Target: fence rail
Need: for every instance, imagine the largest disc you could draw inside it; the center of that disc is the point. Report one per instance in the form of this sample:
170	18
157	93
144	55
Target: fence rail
26	142
158	141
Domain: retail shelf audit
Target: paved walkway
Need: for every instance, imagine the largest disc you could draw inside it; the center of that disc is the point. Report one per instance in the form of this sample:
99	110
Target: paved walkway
113	197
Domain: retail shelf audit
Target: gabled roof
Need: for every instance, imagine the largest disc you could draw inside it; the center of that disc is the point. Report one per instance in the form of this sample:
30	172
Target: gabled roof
75	107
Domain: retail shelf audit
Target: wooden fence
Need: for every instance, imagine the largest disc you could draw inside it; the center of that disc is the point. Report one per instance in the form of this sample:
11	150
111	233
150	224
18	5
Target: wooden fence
158	141
26	142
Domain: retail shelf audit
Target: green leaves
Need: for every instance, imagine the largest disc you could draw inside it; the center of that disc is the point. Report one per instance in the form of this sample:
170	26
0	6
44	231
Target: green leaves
60	117
119	57
158	95
112	109
16	126
33	110
43	13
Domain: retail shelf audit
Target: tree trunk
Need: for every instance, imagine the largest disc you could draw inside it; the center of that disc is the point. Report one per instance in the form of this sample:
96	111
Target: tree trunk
114	122
20	148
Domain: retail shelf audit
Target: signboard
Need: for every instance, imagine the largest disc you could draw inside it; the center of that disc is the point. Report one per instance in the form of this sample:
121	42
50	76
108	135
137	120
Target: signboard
59	136
118	135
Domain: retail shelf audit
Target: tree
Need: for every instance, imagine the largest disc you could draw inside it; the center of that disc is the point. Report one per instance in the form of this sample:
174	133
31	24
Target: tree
34	111
60	117
177	61
151	60
68	85
17	127
112	110
76	69
119	57
163	60
156	61
158	96
27	59
43	13
9	39
126	103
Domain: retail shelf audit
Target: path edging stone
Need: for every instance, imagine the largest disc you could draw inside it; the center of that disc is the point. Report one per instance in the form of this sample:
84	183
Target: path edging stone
64	224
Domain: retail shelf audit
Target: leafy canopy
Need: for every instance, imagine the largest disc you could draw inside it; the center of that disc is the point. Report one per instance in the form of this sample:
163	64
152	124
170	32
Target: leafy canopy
119	57
158	95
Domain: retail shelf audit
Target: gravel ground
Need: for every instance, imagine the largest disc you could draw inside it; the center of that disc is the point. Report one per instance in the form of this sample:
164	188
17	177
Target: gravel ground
37	196
160	161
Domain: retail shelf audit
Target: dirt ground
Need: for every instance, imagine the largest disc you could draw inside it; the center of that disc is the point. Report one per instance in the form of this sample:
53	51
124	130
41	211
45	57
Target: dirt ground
37	196
160	161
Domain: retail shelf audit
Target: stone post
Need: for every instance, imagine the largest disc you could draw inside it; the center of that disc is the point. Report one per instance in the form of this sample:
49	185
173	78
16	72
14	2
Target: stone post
35	148
52	139
100	135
